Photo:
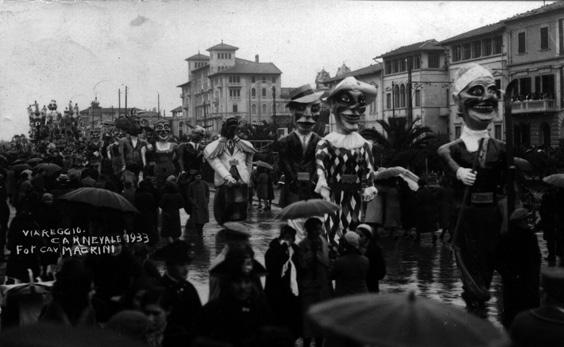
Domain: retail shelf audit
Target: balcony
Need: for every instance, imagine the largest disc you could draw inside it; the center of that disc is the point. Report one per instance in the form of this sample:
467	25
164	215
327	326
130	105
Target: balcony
533	106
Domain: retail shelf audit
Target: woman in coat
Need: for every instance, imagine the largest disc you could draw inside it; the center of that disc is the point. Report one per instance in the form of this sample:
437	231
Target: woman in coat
350	270
198	196
171	202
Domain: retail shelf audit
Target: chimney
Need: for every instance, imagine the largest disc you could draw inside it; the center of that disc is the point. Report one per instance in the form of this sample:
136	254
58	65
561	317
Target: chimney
256	58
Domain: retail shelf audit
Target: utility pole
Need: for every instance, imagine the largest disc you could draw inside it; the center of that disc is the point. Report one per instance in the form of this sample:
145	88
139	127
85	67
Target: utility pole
408	92
126	100
119	102
158	105
274	104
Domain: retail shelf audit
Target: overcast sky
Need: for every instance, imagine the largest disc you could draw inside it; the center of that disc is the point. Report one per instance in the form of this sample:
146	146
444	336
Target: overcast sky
78	50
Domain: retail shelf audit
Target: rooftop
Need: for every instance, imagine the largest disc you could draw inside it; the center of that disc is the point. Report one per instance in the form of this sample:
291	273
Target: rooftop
486	29
249	68
222	46
558	5
428	45
198	56
359	72
177	109
183	84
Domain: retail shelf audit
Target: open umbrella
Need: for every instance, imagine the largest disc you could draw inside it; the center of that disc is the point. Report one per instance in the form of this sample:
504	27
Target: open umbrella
20	167
397	171
555	180
100	197
23	302
399	320
51	168
522	164
263	164
34	161
307	208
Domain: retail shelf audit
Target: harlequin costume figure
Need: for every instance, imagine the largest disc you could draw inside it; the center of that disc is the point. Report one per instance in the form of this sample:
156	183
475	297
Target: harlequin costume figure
344	158
231	158
297	150
478	235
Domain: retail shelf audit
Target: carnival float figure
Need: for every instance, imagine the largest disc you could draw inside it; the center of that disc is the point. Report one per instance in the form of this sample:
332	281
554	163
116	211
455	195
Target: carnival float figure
132	149
479	164
297	150
54	118
344	158
231	159
164	153
36	122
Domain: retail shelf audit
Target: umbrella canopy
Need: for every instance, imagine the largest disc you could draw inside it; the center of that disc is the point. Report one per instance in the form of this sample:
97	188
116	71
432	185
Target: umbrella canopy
397	171
400	320
263	164
58	335
522	164
34	161
51	168
100	197
307	208
20	167
555	180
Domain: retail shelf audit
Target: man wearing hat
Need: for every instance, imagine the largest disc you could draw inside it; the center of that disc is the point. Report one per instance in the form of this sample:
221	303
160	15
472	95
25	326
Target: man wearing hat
190	154
297	150
231	158
478	162
344	158
543	326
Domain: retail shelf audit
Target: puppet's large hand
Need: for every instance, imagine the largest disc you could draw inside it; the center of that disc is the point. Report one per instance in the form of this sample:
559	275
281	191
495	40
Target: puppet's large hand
325	193
369	193
467	176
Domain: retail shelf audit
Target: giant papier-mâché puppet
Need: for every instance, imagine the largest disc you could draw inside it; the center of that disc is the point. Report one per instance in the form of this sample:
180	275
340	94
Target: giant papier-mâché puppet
344	158
479	164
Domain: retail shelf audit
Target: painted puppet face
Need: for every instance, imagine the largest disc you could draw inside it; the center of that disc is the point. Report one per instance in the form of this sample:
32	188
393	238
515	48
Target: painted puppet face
162	129
348	106
305	116
478	103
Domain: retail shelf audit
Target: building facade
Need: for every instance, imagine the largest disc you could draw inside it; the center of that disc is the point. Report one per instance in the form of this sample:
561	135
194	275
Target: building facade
429	84
486	46
221	85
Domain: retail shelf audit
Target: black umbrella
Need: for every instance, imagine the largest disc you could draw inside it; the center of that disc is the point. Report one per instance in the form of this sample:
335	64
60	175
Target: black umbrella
100	197
51	168
308	208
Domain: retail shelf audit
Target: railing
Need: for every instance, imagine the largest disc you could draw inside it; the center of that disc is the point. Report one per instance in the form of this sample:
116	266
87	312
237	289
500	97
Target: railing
528	106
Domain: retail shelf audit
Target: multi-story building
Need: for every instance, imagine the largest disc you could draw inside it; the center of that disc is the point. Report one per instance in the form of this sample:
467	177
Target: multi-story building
535	46
221	85
429	84
371	74
485	46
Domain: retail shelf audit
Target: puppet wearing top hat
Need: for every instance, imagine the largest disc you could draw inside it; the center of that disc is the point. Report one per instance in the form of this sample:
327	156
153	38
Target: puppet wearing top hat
479	164
297	150
344	158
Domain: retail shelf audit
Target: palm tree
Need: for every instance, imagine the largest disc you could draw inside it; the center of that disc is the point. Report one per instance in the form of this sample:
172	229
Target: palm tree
400	143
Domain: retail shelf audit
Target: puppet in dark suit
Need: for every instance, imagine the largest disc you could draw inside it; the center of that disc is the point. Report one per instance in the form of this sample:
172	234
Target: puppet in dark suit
297	150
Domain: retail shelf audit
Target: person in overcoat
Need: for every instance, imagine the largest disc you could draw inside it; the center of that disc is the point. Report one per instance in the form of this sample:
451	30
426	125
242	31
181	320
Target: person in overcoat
281	286
171	202
198	198
146	202
350	269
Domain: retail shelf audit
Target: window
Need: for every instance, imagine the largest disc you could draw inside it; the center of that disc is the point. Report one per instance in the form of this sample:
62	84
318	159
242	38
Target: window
263	108
561	35
456	50
497	42
388	100
476	49
263	91
402	64
396	96
395	66
263	79
497	131
418	97
548	86
466	51
253	93
457	131
273	79
521	43
434	60
417	62
234	79
254	109
487	44
234	93
402	96
544	38
253	80
498	87
388	67
235	108
524	86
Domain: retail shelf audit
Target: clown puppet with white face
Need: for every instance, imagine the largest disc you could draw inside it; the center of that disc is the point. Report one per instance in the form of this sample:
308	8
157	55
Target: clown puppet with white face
344	158
479	164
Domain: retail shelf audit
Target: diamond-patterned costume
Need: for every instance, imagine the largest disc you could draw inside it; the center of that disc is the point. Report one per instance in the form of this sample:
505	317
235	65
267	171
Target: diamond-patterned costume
346	171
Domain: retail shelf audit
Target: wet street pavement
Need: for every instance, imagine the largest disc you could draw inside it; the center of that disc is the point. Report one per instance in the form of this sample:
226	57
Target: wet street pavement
427	268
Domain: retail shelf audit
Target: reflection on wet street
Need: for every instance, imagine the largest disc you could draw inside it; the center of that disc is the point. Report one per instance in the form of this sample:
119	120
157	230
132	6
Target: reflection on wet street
427	268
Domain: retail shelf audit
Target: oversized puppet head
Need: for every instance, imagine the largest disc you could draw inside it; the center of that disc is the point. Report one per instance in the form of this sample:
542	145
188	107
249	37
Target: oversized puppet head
305	107
348	101
129	125
52	105
230	127
475	93
162	130
197	134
